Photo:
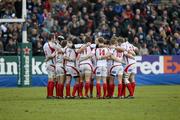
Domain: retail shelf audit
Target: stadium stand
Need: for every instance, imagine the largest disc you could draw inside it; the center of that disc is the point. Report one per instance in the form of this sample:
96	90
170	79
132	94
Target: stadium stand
151	25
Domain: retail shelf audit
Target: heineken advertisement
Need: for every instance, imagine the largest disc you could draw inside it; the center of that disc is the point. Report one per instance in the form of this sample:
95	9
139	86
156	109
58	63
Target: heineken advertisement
31	71
9	65
24	64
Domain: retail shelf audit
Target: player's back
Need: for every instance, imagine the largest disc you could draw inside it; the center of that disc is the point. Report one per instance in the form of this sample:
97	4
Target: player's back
85	52
69	52
128	47
119	55
99	52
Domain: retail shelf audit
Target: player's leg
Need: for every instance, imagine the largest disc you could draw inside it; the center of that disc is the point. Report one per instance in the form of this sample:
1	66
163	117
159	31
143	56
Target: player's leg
123	88
68	87
104	78
76	87
113	73
81	80
120	85
111	86
68	81
50	85
133	82
128	84
108	87
60	81
91	86
88	74
98	82
120	81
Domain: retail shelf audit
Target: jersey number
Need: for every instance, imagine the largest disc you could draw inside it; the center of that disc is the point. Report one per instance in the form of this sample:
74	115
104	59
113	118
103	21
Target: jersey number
101	52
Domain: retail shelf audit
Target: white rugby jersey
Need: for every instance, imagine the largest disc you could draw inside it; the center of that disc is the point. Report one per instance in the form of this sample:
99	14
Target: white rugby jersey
100	52
128	47
119	55
49	48
71	53
59	54
85	52
110	61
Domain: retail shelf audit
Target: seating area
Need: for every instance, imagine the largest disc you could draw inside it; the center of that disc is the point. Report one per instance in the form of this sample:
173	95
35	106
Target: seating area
151	25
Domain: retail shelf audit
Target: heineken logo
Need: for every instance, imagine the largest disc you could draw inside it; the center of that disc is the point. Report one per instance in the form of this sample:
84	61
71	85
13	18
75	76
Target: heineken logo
10	67
26	50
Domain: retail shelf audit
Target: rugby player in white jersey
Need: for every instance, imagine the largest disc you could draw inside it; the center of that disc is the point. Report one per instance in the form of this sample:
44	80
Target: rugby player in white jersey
60	70
70	57
50	53
102	54
116	69
110	79
85	65
129	69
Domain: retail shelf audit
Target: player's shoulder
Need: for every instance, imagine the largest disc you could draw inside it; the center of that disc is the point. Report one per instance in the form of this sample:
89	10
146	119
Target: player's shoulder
45	45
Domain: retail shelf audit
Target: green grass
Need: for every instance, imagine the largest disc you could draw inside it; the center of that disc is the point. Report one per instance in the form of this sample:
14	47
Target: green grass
151	103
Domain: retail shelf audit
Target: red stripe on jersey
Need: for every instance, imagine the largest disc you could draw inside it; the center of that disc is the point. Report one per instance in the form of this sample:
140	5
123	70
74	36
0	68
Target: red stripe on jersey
52	49
95	70
64	70
127	67
113	67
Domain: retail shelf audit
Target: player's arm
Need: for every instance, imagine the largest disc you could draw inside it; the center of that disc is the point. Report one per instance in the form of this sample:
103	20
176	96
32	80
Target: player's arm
116	59
132	52
129	55
83	47
50	56
119	49
68	58
85	57
104	56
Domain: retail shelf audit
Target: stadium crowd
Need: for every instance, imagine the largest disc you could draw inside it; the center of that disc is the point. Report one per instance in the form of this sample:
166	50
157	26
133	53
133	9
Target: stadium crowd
150	26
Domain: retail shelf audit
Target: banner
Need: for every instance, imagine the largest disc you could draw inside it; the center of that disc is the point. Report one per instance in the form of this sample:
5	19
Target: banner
24	64
150	70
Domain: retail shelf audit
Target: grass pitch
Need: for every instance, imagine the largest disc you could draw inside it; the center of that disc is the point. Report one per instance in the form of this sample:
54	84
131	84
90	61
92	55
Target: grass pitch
151	103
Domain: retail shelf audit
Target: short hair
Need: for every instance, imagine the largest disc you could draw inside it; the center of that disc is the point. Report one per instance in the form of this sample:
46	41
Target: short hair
113	41
88	39
51	35
101	40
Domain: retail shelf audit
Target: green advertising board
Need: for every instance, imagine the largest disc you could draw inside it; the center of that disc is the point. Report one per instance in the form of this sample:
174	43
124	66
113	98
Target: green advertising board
25	64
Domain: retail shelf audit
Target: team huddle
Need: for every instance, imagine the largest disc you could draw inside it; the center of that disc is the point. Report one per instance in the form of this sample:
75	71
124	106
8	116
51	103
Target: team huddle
105	63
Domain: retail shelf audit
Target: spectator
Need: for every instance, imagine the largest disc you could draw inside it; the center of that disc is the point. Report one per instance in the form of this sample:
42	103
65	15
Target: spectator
156	25
38	47
47	5
165	49
136	42
176	49
143	50
141	35
155	50
11	47
49	22
177	37
128	13
75	6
